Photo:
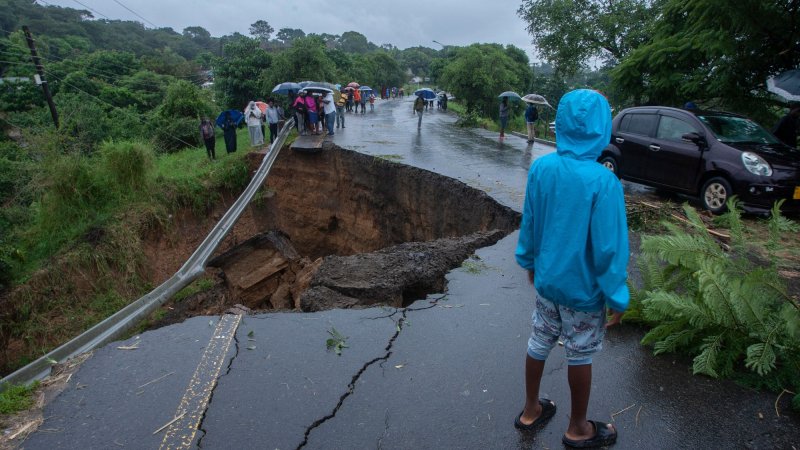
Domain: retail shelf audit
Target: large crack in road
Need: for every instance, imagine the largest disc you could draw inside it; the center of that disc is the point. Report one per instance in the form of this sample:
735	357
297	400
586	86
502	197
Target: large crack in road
381	359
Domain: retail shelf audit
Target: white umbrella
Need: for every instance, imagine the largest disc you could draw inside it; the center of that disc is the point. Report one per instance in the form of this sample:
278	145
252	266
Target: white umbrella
536	99
787	85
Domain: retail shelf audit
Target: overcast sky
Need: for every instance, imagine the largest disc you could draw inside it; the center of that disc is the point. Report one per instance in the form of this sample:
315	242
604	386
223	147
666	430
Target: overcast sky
404	24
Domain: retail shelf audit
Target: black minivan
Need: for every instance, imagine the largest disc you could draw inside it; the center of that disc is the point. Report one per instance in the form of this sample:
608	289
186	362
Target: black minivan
706	154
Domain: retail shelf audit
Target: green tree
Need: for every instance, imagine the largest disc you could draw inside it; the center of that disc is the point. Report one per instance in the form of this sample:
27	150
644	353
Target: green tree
261	30
237	72
716	53
478	73
305	60
569	33
167	62
288	35
177	119
386	71
354	42
417	60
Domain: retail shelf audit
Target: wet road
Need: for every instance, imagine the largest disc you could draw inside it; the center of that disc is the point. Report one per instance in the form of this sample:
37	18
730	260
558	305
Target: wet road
447	372
475	157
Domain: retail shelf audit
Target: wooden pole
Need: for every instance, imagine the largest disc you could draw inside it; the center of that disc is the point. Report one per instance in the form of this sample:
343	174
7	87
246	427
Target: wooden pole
40	71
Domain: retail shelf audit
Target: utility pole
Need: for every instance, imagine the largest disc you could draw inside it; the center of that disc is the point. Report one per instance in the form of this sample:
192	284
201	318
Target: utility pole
40	71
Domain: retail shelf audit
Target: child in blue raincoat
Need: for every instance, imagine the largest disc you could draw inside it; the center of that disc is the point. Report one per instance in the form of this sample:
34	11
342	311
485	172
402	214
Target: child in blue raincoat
573	241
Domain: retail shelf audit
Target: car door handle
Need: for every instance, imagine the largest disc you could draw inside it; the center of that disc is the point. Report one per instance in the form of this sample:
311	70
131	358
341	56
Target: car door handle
619	140
655	147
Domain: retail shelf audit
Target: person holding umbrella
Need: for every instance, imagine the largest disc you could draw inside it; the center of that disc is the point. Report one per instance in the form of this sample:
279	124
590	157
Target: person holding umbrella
504	109
531	115
229	131
419	106
786	129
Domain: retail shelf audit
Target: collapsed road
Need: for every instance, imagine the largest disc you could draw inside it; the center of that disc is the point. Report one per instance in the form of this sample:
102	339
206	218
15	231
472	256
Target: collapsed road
443	371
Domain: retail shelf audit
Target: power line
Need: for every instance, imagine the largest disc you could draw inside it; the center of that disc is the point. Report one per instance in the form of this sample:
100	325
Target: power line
135	13
113	106
92	9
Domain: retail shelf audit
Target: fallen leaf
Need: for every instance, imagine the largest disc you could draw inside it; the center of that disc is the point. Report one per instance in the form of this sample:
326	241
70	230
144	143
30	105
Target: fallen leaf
399	366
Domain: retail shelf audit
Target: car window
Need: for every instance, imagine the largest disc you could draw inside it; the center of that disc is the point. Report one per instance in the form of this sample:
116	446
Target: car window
731	129
638	124
672	129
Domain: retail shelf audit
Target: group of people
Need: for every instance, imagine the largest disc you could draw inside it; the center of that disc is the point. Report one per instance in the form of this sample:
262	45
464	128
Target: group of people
390	93
531	116
353	98
313	111
207	133
257	119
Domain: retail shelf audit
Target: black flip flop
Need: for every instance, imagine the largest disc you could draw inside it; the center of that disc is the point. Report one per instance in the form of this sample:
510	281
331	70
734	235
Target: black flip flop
548	411
602	437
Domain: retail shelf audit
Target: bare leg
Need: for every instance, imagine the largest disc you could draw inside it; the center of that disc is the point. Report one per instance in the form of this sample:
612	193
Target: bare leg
580	386
533	378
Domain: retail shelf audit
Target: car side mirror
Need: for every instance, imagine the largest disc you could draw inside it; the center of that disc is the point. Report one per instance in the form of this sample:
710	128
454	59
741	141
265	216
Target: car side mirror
694	137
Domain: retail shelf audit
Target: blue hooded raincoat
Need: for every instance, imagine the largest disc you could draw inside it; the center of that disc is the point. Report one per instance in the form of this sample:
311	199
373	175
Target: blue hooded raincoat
574	235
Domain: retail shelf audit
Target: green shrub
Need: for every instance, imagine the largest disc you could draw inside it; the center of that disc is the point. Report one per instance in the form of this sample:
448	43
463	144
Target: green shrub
15	398
128	164
468	119
174	134
726	306
72	191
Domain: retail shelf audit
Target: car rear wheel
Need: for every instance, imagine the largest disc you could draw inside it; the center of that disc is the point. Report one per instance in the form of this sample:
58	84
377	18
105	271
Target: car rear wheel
611	164
715	194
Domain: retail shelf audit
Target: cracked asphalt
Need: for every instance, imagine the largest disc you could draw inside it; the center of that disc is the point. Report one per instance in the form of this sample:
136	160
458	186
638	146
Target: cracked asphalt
446	372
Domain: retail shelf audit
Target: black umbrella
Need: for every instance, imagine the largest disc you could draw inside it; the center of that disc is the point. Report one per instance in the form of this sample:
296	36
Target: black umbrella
787	85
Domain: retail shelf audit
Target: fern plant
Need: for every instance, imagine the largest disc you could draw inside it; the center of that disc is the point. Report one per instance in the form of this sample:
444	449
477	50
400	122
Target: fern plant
724	304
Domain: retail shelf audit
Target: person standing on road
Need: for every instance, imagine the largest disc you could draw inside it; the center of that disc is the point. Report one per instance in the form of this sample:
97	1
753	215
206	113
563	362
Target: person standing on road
786	129
253	118
329	109
371	102
419	105
340	107
531	115
207	133
573	242
503	116
364	102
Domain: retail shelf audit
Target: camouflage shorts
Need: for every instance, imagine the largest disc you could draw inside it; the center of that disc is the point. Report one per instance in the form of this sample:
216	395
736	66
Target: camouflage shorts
581	331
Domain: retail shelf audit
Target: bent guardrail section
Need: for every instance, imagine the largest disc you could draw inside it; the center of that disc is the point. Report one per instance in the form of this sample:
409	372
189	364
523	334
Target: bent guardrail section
123	320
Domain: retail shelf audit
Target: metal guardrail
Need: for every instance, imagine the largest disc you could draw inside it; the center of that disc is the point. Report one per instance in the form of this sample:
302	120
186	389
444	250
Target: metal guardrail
123	320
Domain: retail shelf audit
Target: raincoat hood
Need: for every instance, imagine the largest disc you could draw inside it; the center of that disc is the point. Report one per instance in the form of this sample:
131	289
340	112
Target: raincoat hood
583	124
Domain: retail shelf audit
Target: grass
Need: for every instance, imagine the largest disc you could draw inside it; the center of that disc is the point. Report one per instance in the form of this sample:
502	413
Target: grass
15	398
88	226
515	123
200	285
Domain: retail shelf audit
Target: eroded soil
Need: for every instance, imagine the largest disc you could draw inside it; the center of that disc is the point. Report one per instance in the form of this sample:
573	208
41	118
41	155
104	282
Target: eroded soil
339	229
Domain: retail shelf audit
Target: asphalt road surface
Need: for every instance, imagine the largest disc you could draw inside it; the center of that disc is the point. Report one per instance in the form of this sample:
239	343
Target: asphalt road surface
446	372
